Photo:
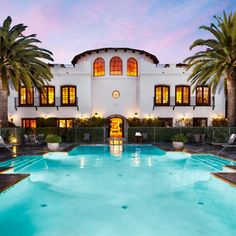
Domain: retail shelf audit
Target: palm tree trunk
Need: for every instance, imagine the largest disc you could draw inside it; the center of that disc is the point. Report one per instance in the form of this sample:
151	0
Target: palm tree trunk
231	100
3	108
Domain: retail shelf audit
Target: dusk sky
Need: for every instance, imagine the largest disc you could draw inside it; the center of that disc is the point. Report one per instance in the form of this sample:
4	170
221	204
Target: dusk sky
165	28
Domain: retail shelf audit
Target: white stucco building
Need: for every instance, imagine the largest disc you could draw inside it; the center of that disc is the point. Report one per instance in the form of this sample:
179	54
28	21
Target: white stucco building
117	83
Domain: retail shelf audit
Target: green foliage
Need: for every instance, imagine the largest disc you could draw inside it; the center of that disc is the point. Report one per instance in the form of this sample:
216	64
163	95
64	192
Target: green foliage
145	122
179	138
219	122
21	59
184	122
217	60
91	122
50	138
220	135
6	134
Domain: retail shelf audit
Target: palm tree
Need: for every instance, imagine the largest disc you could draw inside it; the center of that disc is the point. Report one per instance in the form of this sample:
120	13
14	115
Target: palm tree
217	64
20	63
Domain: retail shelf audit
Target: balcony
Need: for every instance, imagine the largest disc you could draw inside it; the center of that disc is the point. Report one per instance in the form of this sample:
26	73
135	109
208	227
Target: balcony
192	103
37	104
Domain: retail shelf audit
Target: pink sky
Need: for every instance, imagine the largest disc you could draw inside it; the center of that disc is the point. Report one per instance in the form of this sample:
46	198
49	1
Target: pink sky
164	28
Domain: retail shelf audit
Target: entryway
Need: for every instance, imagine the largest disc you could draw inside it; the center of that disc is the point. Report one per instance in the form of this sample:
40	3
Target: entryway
116	127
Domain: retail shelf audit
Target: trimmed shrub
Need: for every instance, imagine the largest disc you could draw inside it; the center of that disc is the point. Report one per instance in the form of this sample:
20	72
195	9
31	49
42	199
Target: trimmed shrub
50	138
179	138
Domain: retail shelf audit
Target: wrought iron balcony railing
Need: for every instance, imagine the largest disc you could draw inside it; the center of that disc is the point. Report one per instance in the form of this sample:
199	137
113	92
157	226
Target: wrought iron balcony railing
36	103
192	103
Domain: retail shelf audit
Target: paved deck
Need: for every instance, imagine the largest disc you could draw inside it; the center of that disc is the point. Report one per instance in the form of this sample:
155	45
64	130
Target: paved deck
8	180
230	167
228	177
4	169
229	153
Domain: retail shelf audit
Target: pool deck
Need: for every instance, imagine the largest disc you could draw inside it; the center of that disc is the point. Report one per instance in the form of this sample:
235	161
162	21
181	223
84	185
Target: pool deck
8	180
228	177
5	169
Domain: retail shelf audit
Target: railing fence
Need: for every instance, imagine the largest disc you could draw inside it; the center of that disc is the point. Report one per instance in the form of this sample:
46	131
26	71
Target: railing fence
100	134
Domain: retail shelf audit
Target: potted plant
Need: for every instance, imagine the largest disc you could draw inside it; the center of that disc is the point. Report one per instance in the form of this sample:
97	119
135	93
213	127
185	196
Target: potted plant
53	141
178	141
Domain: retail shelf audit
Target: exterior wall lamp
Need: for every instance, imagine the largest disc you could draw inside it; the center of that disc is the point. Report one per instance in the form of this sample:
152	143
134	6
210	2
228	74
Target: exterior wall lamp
135	115
11	118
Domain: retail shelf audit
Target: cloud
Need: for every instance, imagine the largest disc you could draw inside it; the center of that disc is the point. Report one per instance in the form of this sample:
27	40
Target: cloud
165	28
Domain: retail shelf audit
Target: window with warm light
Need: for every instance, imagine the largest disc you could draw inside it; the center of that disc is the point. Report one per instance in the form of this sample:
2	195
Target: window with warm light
132	67
199	122
47	96
116	67
202	96
99	67
162	95
68	95
26	96
28	123
182	95
66	123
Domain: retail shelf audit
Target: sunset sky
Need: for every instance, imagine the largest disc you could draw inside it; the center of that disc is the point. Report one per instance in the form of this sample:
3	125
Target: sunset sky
165	28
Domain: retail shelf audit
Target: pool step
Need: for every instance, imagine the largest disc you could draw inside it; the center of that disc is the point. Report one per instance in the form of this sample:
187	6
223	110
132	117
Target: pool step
26	163
211	161
20	162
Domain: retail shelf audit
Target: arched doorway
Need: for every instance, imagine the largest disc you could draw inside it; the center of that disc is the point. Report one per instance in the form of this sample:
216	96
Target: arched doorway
116	124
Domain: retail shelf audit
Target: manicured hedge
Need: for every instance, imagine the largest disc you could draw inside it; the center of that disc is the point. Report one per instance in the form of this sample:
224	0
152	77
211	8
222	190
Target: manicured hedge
163	134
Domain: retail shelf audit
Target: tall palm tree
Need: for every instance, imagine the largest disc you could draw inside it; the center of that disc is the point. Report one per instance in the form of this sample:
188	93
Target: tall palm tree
217	63
20	63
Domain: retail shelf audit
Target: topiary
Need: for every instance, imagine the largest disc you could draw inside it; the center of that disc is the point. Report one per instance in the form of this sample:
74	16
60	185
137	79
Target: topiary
50	138
179	138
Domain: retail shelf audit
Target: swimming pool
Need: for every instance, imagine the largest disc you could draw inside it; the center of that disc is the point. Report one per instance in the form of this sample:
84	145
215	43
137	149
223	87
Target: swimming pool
119	190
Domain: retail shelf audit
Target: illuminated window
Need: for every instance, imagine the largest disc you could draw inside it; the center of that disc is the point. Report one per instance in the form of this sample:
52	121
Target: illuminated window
162	95
182	95
66	123
47	96
116	94
26	96
28	123
68	95
132	67
166	122
202	96
116	67
199	122
99	67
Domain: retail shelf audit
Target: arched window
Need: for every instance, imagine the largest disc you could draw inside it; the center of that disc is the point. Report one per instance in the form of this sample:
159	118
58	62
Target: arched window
99	67
132	67
116	67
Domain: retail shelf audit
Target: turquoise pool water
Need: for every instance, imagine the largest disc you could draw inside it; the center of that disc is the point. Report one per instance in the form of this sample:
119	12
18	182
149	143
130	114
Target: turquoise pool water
129	190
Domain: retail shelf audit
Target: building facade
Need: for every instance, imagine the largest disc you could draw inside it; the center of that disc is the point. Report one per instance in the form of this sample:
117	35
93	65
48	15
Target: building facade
116	83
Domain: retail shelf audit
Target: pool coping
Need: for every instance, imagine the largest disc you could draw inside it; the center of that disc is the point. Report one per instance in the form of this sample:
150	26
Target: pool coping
227	177
9	180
